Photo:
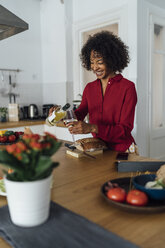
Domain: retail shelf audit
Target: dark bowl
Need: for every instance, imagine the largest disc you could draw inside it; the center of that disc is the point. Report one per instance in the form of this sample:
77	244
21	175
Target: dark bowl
139	183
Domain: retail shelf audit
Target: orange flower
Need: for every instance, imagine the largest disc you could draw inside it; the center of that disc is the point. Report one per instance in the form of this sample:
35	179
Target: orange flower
16	148
35	145
46	145
26	138
20	145
30	137
11	148
10	171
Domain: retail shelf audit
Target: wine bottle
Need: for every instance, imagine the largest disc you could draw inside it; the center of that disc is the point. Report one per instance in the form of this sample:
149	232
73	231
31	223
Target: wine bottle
57	115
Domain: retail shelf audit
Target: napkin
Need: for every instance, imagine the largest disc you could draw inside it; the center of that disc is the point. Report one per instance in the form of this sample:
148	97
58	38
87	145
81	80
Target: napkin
63	229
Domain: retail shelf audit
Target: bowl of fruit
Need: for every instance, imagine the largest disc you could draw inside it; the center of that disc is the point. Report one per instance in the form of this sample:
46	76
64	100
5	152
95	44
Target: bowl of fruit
9	137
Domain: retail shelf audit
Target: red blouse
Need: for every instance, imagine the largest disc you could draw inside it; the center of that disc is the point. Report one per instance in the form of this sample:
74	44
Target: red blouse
113	113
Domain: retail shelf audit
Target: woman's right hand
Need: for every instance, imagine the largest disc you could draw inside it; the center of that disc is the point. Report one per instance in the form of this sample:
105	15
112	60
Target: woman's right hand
81	127
54	108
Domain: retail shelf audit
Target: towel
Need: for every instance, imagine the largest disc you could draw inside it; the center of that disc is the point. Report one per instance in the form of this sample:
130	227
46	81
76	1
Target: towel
63	229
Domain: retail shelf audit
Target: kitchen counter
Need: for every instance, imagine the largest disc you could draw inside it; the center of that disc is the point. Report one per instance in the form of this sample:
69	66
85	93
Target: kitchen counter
15	124
77	186
38	126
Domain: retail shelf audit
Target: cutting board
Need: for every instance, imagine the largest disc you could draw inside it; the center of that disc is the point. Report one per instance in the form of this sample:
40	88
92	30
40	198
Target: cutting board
78	154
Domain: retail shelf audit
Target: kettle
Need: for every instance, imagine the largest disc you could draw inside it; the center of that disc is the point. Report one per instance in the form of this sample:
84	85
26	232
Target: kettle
32	111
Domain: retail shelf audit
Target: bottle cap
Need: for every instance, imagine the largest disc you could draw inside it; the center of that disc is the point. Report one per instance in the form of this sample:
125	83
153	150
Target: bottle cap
66	106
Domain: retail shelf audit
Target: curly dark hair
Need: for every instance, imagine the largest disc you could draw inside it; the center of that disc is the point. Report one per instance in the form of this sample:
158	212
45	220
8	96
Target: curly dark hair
110	47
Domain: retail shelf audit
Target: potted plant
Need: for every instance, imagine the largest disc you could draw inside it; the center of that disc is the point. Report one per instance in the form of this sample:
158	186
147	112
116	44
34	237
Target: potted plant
3	112
28	181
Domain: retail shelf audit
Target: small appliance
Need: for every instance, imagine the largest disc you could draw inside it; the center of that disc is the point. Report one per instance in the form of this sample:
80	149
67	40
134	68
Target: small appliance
33	111
45	109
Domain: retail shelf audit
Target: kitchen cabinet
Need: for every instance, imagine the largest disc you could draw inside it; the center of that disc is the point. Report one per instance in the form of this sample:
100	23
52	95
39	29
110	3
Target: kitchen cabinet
37	126
62	133
35	129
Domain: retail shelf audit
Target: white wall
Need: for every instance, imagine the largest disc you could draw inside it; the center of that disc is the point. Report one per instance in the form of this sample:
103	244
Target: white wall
40	53
90	10
53	51
23	51
85	9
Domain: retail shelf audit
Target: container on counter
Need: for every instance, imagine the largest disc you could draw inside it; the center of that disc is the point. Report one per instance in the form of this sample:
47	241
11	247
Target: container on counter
13	112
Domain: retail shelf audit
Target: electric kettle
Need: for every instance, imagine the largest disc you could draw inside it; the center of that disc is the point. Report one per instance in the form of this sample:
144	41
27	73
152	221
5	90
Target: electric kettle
33	111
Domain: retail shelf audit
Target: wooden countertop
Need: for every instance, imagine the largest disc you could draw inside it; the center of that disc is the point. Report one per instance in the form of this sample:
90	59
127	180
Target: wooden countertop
76	186
5	125
14	124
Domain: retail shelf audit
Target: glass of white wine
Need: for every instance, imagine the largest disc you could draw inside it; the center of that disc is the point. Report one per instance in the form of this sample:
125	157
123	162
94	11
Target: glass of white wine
70	117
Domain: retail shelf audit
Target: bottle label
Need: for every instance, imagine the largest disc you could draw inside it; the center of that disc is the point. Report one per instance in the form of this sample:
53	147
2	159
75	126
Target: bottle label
52	117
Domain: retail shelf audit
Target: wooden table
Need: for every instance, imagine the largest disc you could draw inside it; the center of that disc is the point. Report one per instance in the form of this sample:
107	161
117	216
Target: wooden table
76	186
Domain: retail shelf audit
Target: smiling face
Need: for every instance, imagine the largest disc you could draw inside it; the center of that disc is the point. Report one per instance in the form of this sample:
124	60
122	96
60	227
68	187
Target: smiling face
98	66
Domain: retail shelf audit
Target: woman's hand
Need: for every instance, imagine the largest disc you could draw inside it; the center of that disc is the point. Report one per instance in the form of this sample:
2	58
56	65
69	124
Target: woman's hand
81	127
54	108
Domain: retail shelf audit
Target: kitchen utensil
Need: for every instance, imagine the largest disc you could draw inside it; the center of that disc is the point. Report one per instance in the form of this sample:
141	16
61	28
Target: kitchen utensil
32	111
13	111
78	153
88	155
70	146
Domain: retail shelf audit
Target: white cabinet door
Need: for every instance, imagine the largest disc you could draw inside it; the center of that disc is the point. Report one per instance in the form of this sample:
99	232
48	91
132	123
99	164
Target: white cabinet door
35	129
63	133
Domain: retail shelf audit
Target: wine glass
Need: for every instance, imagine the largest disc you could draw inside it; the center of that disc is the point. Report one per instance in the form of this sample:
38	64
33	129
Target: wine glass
70	117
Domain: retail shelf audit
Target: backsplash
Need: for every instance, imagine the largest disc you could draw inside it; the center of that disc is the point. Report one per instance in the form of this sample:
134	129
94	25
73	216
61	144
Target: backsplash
27	94
39	94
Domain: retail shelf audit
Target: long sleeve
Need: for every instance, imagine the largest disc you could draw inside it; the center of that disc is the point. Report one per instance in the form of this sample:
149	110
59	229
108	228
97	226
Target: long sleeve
120	131
82	110
113	113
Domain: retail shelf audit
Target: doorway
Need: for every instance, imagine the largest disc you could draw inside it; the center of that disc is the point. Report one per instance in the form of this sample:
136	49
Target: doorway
88	76
113	20
157	87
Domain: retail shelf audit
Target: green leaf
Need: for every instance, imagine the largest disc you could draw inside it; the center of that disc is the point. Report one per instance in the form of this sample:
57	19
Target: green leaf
25	158
9	161
44	164
55	146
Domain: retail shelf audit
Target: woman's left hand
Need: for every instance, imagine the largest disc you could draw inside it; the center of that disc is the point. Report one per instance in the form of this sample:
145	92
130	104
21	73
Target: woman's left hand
81	127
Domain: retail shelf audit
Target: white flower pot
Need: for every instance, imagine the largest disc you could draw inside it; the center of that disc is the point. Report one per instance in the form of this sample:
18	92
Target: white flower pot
28	202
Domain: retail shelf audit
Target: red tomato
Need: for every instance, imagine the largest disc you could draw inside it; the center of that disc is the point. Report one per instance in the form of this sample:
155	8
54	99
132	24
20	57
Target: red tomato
12	138
137	198
3	139
117	194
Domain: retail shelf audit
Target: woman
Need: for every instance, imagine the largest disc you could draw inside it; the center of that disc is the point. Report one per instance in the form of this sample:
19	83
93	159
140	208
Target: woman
110	100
